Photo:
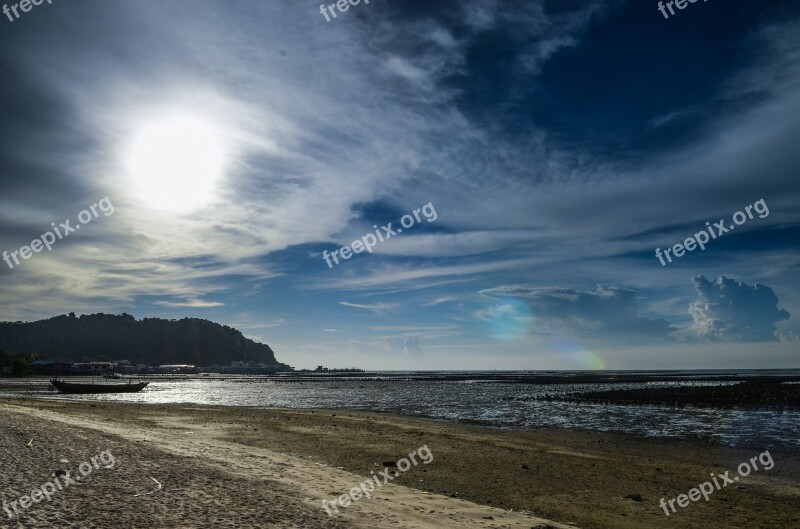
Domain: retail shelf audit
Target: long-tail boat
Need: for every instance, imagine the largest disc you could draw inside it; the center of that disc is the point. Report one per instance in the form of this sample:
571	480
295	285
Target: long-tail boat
76	388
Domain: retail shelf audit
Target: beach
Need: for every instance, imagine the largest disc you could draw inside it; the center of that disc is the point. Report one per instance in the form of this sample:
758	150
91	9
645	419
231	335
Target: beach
400	265
200	466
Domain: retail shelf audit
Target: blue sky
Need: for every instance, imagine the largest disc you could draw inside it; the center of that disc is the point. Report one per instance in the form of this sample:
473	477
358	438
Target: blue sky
559	142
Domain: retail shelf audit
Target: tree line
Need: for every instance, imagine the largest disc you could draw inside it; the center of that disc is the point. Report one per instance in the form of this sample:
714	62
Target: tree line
20	363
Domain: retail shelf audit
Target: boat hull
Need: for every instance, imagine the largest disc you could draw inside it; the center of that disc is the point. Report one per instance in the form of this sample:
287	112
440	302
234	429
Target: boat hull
73	388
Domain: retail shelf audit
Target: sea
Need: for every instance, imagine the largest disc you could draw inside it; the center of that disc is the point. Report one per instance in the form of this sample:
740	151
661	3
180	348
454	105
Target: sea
504	400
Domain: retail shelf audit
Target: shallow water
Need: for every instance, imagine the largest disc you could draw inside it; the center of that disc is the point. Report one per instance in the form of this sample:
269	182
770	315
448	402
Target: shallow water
492	403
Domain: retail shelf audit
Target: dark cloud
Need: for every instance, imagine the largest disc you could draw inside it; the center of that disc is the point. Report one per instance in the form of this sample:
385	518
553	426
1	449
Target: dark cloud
729	310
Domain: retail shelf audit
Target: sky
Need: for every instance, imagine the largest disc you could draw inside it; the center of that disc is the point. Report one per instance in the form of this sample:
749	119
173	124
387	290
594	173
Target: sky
548	147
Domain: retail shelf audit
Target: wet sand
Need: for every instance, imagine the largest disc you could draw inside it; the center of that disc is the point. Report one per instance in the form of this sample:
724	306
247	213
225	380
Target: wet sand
244	467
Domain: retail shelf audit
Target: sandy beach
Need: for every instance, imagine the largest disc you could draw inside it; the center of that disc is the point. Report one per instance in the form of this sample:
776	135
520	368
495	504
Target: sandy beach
187	466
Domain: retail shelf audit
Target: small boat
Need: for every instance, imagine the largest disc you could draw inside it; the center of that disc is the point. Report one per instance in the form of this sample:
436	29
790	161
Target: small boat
74	388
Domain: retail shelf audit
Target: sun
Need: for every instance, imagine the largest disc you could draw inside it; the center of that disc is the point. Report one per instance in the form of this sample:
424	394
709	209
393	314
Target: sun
175	162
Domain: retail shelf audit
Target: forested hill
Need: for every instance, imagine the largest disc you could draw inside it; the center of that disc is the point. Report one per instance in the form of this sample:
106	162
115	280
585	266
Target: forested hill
150	341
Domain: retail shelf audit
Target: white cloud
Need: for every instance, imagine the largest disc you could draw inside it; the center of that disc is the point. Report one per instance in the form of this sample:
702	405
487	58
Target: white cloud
407	346
440	300
375	307
190	303
453	244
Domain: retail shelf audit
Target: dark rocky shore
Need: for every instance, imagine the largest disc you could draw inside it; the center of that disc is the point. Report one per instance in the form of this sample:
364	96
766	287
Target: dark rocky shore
750	394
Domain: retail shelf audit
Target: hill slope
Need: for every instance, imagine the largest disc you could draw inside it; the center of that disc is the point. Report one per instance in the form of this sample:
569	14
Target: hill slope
148	341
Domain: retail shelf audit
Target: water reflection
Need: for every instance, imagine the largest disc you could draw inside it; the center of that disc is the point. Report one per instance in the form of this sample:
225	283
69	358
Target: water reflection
492	403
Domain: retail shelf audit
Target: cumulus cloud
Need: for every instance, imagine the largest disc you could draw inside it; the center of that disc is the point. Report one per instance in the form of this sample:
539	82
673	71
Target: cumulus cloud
729	310
606	312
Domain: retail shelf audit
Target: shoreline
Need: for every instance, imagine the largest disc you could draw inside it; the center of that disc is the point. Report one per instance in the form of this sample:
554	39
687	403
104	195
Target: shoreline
510	377
706	412
567	476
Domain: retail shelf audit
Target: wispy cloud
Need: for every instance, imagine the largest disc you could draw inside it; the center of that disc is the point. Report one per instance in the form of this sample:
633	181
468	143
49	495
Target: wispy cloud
191	303
440	300
606	312
375	307
557	158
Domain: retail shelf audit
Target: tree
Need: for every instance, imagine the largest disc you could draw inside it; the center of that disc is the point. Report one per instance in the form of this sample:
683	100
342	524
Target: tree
20	363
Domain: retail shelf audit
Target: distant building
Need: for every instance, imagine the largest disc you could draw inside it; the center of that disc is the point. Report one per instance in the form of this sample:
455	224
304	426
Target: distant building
243	368
176	369
92	368
51	367
250	366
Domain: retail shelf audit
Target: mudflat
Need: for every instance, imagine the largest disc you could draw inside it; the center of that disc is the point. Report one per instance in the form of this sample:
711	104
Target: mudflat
192	466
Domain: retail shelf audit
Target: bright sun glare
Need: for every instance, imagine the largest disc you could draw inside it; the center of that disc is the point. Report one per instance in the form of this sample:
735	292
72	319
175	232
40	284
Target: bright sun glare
175	163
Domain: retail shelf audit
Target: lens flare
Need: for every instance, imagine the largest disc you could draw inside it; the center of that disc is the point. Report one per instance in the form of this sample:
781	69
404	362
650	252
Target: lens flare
511	320
577	355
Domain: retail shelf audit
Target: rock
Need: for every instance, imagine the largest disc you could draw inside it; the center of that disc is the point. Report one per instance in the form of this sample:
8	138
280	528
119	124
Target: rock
634	497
